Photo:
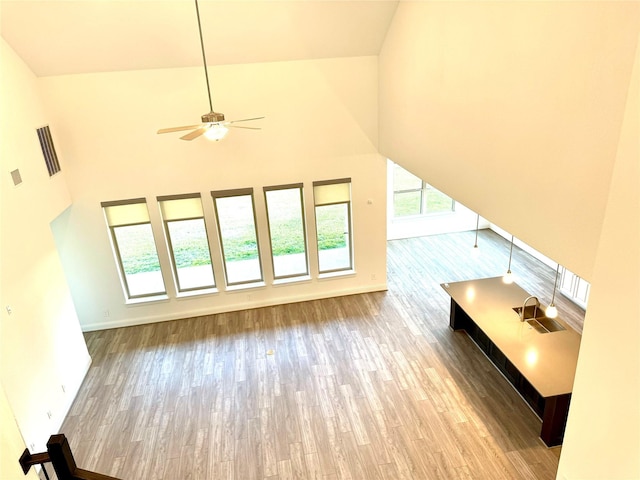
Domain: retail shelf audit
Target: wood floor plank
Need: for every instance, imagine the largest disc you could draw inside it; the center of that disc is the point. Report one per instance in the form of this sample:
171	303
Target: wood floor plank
323	445
201	455
306	424
268	447
313	471
357	387
297	461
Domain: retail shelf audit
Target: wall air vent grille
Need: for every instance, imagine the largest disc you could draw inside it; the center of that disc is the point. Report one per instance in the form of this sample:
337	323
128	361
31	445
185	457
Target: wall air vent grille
48	150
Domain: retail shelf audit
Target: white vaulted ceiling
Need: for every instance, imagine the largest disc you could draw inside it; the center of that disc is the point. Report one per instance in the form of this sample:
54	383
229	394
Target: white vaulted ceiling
67	37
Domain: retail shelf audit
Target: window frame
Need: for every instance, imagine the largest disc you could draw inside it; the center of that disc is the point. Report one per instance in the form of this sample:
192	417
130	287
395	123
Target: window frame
300	187
571	285
167	234
424	187
215	194
116	247
349	234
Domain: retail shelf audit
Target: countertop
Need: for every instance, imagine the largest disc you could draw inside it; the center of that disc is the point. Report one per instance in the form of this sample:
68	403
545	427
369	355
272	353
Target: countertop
547	360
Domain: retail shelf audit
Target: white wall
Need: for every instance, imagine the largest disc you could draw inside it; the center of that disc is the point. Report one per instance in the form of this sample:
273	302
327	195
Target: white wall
514	109
11	444
321	123
527	248
491	100
41	344
603	430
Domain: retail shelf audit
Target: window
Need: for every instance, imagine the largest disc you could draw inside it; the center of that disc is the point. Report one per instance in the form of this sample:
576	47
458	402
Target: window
134	248
285	215
238	237
574	287
412	196
187	240
332	200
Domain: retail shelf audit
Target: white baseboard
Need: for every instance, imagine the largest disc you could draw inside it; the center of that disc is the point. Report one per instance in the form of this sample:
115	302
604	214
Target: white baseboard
71	394
89	327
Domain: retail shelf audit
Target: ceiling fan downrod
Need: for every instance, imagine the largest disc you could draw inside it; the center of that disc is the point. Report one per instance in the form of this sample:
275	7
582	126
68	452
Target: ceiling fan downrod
206	73
213	126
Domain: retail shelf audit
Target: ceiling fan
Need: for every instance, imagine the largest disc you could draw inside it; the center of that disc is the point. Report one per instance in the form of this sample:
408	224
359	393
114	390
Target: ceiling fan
213	126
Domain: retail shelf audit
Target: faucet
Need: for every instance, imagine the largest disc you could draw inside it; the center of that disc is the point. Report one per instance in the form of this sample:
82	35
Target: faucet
535	310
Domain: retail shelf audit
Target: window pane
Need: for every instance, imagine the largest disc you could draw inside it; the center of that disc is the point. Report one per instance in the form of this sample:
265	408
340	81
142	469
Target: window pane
566	281
334	241
139	259
407	203
238	236
438	201
190	250
286	227
582	290
405	180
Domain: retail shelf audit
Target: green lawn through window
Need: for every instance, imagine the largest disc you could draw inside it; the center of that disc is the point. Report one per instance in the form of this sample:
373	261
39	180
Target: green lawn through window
240	246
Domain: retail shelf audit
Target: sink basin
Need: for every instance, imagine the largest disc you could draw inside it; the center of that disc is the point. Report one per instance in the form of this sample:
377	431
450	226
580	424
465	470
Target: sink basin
541	323
530	311
545	324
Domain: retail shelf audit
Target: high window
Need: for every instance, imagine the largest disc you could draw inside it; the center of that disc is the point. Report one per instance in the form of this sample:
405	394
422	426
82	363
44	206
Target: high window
332	200
285	215
187	240
574	287
237	228
413	196
134	248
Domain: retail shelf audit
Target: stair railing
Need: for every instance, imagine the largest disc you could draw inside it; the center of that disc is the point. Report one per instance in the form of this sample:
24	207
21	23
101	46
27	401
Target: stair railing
59	455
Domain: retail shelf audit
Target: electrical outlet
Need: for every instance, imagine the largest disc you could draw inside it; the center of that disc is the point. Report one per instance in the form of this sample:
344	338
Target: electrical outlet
32	446
105	313
373	276
49	414
64	390
9	310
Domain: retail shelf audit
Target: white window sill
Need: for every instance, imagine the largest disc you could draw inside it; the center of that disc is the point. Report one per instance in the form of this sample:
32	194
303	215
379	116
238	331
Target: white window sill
150	299
341	273
285	281
196	293
420	216
245	286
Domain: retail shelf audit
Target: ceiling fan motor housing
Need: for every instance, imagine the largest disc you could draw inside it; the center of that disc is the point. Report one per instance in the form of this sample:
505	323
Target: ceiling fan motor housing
212	117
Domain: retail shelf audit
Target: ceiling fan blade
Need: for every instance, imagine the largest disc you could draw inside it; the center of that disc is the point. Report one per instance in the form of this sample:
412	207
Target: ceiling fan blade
248	128
211	120
196	133
178	129
243	120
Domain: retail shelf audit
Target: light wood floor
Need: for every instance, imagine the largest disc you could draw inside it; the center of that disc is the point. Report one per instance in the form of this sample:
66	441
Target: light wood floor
372	386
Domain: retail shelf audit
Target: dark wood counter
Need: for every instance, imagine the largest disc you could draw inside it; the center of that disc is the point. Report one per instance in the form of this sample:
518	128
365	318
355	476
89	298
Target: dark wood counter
540	366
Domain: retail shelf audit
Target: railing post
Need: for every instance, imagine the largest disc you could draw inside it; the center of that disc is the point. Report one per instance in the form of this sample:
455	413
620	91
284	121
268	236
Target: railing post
61	457
27	460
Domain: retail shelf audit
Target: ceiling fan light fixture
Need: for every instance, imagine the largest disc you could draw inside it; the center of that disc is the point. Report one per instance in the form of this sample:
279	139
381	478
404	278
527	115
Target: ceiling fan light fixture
216	132
213	124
